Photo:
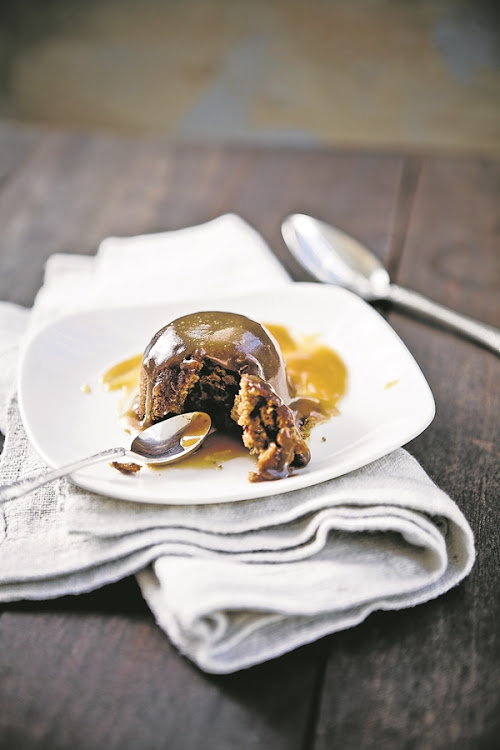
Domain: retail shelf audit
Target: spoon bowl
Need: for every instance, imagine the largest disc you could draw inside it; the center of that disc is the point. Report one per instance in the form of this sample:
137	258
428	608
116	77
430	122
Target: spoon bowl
162	443
172	439
334	257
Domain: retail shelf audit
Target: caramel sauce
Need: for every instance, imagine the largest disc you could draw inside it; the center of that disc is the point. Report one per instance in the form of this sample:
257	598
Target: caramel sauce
197	427
315	372
391	384
317	380
215	451
124	375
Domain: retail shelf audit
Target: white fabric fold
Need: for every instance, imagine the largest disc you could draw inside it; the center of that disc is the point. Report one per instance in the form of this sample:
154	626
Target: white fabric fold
232	584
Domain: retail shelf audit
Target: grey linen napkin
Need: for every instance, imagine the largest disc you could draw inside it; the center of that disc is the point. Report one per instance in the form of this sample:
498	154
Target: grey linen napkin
232	584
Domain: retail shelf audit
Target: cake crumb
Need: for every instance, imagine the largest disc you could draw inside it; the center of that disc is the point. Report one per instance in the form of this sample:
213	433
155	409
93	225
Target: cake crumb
323	439
85	388
130	468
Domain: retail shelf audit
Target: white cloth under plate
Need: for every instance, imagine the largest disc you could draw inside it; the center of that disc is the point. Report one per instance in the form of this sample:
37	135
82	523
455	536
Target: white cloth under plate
232	584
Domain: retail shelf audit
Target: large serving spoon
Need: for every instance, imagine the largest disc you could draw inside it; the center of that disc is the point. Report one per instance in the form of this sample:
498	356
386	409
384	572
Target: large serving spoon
162	443
334	257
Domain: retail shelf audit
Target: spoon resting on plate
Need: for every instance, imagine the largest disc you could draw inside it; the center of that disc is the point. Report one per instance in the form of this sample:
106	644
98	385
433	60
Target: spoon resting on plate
163	443
332	256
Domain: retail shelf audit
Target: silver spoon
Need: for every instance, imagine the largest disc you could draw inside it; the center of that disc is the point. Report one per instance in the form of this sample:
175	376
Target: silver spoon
162	443
334	257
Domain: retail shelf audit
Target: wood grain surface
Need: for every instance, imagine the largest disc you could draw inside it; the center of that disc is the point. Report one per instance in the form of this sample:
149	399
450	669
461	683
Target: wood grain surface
94	671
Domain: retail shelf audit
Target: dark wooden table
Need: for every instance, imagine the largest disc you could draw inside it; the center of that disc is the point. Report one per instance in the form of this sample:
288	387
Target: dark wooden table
94	671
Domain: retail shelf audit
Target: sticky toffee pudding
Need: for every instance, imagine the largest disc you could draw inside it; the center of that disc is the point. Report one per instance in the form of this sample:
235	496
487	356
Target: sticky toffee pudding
230	367
264	387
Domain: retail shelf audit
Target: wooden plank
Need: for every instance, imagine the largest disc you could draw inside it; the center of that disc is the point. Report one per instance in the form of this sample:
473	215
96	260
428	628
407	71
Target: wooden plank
74	671
78	189
98	671
75	190
429	677
330	185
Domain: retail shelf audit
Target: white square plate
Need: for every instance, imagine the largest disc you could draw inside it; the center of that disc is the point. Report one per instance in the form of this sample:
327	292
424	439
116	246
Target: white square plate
65	424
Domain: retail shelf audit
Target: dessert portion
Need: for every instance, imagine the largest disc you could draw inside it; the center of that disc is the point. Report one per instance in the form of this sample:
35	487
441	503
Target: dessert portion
230	367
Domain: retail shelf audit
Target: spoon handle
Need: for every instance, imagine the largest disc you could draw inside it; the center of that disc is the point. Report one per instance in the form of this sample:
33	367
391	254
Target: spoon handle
23	486
481	333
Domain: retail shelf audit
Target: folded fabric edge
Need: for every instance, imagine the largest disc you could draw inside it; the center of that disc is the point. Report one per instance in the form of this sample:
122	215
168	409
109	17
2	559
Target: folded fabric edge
294	631
287	632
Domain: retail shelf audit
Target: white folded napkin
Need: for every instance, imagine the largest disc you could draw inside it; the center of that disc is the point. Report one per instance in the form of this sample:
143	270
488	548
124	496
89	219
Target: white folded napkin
232	584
